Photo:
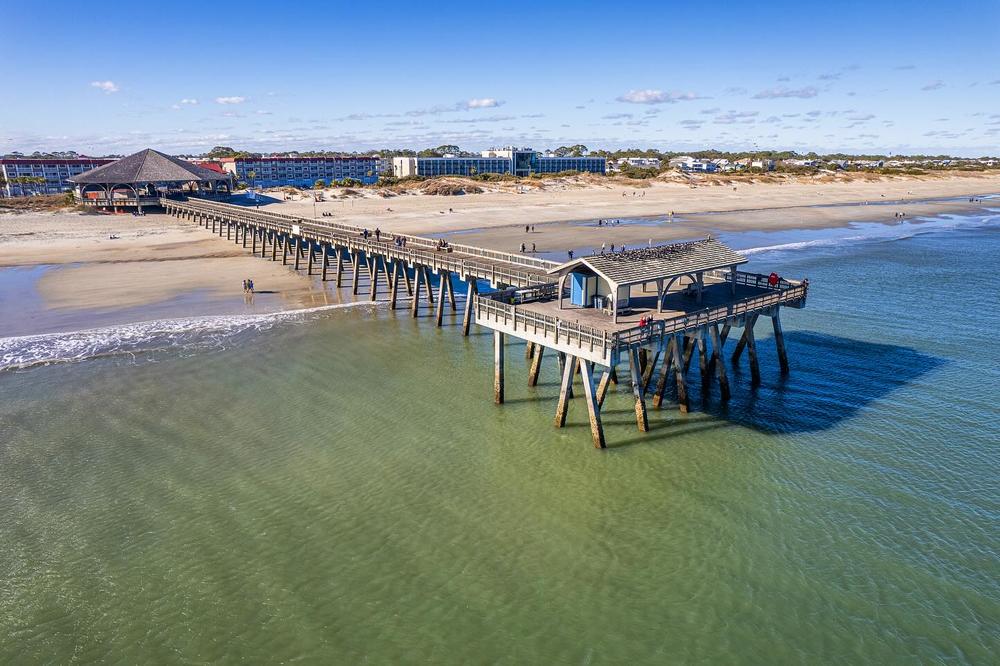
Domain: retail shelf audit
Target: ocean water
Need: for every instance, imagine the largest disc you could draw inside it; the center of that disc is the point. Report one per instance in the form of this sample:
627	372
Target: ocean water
336	486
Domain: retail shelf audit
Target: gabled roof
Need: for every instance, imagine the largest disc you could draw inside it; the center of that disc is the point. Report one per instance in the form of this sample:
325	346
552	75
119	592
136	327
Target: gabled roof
146	166
657	262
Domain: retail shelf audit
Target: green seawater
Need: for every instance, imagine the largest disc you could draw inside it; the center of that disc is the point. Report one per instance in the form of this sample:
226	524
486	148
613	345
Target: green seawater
340	489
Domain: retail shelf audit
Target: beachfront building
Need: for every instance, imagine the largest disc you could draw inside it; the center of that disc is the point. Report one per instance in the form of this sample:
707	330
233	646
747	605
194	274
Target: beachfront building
25	176
519	162
688	163
141	179
301	171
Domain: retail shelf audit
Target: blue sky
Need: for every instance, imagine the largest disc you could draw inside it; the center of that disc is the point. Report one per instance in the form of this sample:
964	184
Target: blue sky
838	76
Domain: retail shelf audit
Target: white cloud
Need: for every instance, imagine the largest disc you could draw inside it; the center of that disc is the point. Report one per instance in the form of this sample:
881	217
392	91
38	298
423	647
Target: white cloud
230	100
483	103
107	86
781	91
934	85
655	97
190	101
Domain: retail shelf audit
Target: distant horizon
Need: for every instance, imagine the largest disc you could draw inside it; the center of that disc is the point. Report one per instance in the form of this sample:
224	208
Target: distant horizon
855	78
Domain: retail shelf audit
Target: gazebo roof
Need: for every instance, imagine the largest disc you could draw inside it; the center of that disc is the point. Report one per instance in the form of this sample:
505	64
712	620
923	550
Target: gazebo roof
145	166
657	262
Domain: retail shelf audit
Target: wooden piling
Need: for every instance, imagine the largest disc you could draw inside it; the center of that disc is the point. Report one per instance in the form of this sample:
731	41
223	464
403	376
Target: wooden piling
253	248
779	342
602	388
682	396
661	382
284	250
467	313
428	285
647	375
563	360
415	304
263	241
310	248
356	268
565	391
752	351
298	251
641	420
442	295
244	236
498	344
394	285
446	276
593	408
706	378
536	366
529	351
720	366
373	271
325	249
339	279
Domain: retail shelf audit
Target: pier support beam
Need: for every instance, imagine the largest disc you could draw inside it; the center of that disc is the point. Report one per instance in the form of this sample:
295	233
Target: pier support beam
752	352
394	285
340	266
641	420
373	272
565	390
498	343
253	249
779	342
427	283
682	395
417	278
647	374
311	249
661	381
564	359
706	378
536	366
356	268
284	250
325	249
263	241
446	276
444	279
593	408
602	387
298	251
244	236
467	313
720	366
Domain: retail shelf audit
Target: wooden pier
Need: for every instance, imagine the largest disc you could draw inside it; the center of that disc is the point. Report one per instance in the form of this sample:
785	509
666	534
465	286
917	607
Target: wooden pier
652	309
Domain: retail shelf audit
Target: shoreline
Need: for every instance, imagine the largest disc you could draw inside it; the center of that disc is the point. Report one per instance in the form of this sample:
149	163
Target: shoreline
160	267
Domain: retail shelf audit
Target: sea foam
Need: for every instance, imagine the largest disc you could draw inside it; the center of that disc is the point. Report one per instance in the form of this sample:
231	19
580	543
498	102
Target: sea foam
21	352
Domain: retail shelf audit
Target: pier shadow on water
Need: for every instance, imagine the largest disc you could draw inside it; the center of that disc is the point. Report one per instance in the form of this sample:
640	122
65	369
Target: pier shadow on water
832	379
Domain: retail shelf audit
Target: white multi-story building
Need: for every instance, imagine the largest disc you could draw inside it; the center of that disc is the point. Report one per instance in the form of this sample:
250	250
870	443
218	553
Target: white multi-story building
55	172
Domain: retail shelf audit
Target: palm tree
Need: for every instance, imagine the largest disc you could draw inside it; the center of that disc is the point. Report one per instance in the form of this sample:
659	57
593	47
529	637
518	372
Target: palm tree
252	176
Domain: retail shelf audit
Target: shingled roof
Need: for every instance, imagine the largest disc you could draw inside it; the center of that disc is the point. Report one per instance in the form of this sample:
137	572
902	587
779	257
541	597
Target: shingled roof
658	262
147	166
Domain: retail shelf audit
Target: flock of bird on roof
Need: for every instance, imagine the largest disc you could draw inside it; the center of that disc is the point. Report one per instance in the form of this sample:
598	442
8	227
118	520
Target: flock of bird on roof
655	252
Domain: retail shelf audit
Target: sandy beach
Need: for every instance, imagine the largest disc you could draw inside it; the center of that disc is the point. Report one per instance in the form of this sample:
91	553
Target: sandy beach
156	258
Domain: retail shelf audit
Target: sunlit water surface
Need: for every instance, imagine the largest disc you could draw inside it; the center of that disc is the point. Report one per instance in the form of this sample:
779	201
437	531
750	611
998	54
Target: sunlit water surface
339	488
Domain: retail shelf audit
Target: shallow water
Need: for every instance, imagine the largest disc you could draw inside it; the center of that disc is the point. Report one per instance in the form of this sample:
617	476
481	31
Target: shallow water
338	487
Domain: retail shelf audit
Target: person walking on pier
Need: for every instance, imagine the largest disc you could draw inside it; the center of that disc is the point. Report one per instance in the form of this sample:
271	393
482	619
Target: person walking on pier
522	248
378	234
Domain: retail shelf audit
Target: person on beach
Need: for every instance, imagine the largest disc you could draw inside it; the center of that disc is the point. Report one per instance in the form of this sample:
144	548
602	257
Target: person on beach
522	248
570	253
244	286
532	247
250	285
527	228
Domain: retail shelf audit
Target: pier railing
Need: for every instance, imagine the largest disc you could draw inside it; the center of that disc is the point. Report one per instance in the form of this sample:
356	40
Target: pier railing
416	250
490	307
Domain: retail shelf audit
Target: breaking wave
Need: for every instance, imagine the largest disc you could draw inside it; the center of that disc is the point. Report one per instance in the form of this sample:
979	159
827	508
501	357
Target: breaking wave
21	352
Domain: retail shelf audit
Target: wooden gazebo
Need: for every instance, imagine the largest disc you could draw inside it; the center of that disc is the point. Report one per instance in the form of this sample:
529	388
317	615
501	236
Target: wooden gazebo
143	178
